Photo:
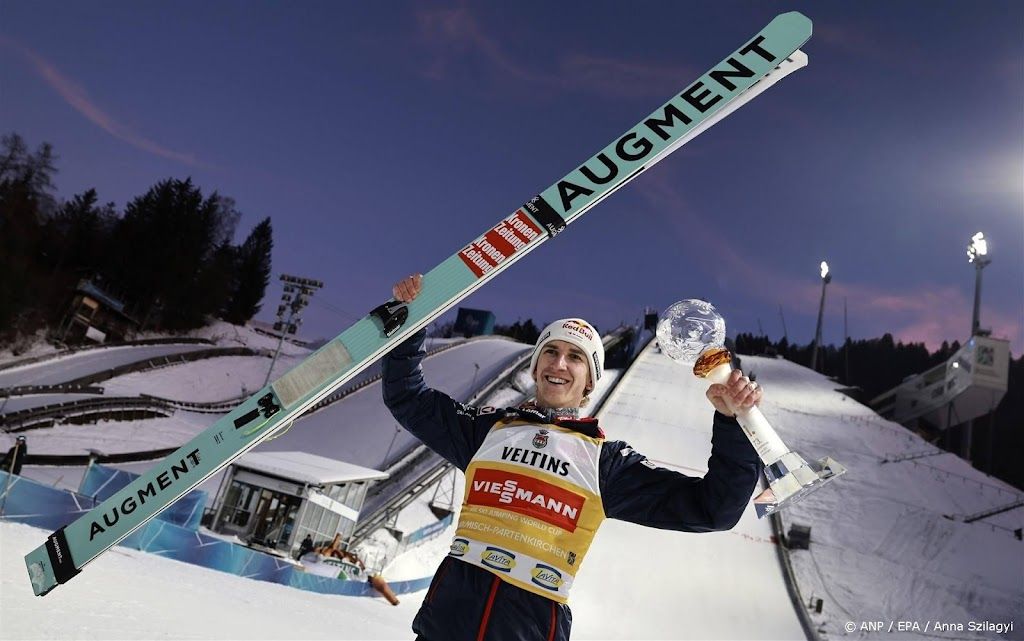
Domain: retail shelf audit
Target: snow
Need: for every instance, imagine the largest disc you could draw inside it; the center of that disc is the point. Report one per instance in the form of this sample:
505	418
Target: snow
206	381
881	545
13	404
133	595
677	579
83	363
29	347
114	437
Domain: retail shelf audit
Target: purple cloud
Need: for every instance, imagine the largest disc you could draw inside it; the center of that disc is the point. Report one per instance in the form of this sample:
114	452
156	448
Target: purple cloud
77	97
453	36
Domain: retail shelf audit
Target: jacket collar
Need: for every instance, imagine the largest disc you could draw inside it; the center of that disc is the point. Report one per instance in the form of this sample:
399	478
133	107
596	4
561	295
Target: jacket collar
562	417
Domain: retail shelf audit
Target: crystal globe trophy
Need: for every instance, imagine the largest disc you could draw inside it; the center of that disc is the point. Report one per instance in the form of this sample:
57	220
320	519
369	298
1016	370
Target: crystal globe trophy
692	332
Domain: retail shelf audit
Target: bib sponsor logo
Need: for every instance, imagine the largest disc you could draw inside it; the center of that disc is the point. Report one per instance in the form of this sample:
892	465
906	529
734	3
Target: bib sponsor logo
546	577
459	547
498	559
540	439
571	558
536	459
526	495
495	246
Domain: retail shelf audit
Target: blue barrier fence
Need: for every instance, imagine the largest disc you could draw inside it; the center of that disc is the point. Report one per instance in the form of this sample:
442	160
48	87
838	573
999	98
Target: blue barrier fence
175	536
101	482
428	531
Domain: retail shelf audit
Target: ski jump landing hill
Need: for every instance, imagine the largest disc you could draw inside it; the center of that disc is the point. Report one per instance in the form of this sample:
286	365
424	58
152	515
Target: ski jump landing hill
888	541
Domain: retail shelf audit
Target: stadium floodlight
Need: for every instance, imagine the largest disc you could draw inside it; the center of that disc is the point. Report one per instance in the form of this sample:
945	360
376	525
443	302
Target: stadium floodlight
978	249
294	298
826	278
977	255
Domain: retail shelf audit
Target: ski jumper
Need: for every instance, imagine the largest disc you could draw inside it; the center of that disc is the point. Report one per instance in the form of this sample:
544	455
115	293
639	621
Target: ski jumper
536	493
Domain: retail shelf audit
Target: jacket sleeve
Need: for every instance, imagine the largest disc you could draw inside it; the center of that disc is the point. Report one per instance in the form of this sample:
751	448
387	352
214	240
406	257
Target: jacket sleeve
453	430
634	489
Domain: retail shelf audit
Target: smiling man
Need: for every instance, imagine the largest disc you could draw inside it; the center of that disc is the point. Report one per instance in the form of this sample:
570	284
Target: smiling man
540	480
566	364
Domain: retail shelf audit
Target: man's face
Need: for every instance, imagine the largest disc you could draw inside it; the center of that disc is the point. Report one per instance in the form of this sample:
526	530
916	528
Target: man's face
562	375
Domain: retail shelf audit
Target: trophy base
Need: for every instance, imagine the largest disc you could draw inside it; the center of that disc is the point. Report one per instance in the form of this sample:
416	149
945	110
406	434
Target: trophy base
791	478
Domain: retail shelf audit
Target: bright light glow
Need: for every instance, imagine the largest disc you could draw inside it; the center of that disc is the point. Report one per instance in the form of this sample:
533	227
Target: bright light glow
956	365
824	269
978	247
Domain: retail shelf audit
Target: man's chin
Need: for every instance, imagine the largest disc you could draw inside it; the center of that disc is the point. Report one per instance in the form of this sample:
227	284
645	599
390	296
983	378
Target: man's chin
554	402
544	401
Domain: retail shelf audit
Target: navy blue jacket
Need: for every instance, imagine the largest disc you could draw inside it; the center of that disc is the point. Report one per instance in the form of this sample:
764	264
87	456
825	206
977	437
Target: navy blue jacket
468	603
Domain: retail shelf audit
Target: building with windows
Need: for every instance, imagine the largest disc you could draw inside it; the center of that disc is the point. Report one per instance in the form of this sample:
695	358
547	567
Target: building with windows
95	315
274	499
969	385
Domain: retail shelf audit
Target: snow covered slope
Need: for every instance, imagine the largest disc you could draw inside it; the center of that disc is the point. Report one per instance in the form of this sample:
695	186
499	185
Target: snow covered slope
881	547
887	540
134	595
66	368
653	584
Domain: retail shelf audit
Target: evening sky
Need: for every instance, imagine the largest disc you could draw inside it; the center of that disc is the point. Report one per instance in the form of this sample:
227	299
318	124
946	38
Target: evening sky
382	137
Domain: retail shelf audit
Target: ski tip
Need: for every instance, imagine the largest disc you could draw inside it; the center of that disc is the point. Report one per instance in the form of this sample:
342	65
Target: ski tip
795	23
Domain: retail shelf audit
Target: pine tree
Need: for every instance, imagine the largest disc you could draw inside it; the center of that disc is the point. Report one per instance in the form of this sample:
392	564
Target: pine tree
252	274
165	245
26	202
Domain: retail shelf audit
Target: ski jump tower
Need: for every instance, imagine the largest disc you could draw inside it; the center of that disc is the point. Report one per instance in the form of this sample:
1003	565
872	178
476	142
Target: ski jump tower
967	386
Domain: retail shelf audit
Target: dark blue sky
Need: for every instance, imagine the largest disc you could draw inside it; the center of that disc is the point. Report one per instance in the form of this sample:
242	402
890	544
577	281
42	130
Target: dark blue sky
382	137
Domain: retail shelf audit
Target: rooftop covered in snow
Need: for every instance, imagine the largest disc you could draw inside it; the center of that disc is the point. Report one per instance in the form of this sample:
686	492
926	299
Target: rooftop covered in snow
307	468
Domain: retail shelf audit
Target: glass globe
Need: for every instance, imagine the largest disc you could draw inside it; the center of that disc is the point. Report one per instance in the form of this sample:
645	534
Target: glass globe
689	327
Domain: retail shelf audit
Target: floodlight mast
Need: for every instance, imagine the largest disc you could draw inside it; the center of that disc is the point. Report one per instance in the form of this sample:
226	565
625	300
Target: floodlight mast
977	254
294	298
826	278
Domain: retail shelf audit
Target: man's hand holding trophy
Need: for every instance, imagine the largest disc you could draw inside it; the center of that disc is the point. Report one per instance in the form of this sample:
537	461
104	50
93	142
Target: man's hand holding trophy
692	333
